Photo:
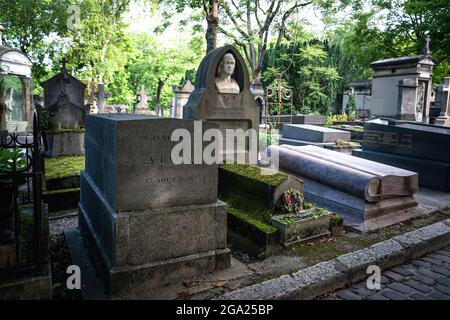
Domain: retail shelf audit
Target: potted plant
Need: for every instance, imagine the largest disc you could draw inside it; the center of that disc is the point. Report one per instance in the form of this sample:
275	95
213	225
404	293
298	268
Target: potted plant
336	225
301	220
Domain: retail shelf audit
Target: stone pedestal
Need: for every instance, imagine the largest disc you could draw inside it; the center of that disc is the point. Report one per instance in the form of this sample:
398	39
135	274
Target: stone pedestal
147	221
444	116
407	100
181	97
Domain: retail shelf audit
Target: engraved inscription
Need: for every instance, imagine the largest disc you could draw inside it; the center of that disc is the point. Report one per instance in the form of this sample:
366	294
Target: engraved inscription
161	180
155	138
162	159
389	138
371	137
406	140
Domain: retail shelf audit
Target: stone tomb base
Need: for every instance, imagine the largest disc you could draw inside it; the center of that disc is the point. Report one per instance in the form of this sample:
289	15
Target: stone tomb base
359	214
138	251
65	143
432	174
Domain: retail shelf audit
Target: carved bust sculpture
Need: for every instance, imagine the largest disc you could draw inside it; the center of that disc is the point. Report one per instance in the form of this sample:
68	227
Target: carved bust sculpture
225	83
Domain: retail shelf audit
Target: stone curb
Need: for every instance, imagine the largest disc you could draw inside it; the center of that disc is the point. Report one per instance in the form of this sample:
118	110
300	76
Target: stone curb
348	268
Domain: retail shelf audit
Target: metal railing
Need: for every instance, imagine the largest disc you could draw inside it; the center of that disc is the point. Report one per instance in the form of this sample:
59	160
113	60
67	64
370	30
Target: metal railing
25	181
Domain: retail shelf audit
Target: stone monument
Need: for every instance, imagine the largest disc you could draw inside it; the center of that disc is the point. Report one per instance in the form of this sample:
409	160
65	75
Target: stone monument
444	116
369	195
413	146
142	106
100	97
223	95
148	222
181	97
64	102
401	87
16	108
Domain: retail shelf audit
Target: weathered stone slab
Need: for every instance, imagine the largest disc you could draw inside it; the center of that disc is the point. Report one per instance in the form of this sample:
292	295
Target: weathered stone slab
130	281
408	139
432	174
139	237
357	213
309	119
306	132
65	144
129	158
366	180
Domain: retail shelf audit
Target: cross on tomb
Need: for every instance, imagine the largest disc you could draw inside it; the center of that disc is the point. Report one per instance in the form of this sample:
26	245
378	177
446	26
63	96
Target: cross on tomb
65	76
426	48
100	96
143	98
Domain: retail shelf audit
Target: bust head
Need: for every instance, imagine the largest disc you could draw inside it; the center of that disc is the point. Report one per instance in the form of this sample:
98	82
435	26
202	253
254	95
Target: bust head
224	80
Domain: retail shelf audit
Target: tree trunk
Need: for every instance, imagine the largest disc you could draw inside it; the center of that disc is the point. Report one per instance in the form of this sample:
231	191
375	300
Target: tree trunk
159	111
213	23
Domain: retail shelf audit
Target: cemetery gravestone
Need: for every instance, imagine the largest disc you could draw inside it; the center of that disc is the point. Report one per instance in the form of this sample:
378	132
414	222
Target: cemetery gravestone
309	119
100	97
64	101
444	116
142	107
181	97
394	101
305	134
413	146
223	95
144	224
15	99
369	195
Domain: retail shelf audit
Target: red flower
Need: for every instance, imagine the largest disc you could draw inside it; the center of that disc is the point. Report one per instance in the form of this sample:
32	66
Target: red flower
287	199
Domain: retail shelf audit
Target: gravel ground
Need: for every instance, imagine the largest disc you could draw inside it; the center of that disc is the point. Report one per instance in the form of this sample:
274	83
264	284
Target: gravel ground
60	258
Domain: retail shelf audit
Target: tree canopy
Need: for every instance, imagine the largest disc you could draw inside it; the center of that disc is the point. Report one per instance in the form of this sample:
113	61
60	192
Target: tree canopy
274	36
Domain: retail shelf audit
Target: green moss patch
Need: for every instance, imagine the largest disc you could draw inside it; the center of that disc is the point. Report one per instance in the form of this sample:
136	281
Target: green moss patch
254	172
63	166
254	213
61	191
254	222
320	250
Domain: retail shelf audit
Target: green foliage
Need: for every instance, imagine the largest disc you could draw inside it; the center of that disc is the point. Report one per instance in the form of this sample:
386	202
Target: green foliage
385	29
12	160
155	65
317	71
351	106
338	118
